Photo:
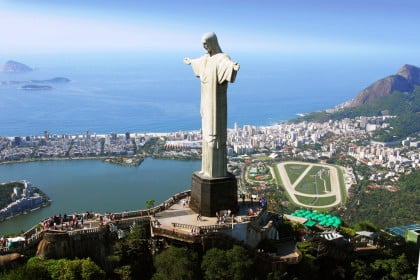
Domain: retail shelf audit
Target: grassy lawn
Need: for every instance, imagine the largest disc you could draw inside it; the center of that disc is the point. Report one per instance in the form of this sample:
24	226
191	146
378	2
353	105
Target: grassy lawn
313	184
280	183
327	181
342	184
313	201
294	171
277	174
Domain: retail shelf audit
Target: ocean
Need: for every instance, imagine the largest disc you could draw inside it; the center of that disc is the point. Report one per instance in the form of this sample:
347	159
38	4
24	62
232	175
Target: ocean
158	93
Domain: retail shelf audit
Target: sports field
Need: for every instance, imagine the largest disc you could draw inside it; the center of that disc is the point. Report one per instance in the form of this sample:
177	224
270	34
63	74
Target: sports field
294	171
311	185
316	181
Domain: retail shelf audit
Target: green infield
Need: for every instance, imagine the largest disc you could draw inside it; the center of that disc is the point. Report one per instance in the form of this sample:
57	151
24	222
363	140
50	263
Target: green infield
294	171
342	184
316	181
316	201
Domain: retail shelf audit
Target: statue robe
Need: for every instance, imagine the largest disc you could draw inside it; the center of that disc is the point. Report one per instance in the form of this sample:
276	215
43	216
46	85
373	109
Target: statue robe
214	72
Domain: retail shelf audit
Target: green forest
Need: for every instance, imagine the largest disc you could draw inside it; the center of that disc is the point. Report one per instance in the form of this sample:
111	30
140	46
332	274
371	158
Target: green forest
387	209
5	193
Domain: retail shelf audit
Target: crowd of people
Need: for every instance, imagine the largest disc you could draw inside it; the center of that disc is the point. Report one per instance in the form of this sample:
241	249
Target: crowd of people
186	201
66	222
3	243
222	216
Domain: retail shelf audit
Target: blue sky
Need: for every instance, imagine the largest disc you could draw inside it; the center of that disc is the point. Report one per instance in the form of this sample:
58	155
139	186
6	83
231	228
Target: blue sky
338	27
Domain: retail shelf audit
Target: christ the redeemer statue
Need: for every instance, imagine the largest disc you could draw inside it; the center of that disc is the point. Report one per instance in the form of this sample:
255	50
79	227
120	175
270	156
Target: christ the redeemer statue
213	188
215	70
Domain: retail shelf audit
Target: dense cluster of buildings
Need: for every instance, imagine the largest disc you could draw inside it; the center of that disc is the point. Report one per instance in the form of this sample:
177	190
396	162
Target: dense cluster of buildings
24	199
72	146
311	140
307	140
395	159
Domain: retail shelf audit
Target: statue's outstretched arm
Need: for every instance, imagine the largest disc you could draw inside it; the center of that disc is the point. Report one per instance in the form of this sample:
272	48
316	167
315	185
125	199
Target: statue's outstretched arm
187	60
236	66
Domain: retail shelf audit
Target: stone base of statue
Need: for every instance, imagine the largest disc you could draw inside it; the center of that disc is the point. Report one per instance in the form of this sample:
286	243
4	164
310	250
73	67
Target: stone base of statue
210	195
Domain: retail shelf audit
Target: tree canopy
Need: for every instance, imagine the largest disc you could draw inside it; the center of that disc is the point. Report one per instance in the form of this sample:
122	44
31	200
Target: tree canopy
231	264
177	264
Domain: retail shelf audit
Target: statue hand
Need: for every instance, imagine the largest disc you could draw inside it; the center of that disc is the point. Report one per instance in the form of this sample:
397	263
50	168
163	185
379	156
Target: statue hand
236	66
187	60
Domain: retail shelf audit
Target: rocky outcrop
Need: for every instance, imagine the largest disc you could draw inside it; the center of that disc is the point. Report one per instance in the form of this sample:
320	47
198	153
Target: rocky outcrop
12	66
57	245
9	260
411	73
404	81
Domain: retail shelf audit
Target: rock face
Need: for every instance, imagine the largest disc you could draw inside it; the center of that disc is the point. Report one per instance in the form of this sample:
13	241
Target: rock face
16	67
7	261
411	73
56	245
407	77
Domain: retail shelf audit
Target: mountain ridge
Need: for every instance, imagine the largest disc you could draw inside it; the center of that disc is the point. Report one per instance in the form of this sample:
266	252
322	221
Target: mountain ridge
12	66
405	80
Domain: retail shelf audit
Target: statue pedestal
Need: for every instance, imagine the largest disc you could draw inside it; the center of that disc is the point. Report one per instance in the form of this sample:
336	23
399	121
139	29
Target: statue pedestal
210	195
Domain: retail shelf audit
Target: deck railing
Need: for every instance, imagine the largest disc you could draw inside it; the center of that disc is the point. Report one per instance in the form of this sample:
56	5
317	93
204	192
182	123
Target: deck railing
190	238
121	218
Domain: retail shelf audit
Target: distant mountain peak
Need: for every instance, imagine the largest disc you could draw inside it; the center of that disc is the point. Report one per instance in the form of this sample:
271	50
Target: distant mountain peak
411	73
12	66
406	78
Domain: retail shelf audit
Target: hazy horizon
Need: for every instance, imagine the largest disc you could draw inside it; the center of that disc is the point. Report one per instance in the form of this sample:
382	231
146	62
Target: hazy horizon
125	56
345	29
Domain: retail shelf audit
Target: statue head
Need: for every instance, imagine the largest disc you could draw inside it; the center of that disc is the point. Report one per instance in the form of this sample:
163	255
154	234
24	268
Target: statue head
210	43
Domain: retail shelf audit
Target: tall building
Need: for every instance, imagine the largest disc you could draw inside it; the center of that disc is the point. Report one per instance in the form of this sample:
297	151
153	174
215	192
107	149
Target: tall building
17	141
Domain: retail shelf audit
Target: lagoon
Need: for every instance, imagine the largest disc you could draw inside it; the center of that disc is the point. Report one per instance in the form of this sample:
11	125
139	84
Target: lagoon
92	185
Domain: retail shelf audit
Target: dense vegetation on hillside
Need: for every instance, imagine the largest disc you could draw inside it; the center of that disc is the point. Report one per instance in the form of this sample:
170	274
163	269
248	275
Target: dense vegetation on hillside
322	259
387	209
37	269
406	106
5	192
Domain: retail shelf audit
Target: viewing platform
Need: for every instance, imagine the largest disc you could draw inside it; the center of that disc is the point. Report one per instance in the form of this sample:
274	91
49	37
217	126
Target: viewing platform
180	222
172	219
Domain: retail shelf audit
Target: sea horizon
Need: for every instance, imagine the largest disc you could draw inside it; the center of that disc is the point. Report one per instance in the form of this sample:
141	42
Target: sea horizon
124	92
